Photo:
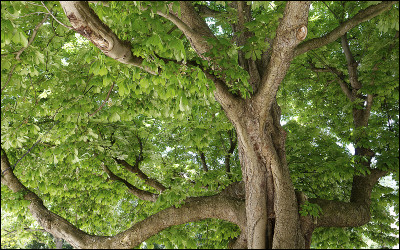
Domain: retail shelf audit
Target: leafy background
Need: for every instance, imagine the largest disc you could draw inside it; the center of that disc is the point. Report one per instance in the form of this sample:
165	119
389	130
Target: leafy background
62	77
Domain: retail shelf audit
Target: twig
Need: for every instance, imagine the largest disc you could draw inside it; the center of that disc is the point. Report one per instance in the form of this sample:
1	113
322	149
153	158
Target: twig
108	95
24	48
337	18
9	77
13	167
32	37
33	13
66	26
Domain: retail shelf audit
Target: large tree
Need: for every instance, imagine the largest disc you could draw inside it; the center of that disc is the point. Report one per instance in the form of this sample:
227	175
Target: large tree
177	103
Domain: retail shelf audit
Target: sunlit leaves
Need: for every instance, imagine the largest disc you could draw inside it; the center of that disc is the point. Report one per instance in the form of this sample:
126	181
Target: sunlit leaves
62	77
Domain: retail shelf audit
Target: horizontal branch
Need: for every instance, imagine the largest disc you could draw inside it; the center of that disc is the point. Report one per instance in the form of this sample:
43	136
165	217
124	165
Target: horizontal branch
362	16
218	206
343	85
354	213
341	214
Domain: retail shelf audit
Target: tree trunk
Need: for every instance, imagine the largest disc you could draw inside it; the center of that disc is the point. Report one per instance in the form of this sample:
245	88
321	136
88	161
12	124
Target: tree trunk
271	205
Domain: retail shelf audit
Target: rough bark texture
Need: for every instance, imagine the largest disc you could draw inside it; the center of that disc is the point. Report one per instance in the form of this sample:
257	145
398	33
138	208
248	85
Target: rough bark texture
271	204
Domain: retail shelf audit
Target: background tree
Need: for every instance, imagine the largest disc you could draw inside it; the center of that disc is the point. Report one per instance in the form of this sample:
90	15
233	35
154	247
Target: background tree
177	103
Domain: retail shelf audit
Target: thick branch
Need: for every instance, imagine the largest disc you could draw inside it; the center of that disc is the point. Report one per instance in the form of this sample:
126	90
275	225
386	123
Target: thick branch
341	214
88	24
197	31
241	35
192	25
362	186
51	222
219	206
351	64
362	16
354	213
294	21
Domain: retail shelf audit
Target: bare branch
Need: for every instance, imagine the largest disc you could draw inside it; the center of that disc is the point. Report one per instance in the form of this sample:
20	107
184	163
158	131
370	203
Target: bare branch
105	100
141	194
362	16
32	37
66	26
342	83
135	169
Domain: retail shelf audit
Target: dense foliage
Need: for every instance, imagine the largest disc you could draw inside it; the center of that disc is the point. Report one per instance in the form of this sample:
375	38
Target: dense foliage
72	116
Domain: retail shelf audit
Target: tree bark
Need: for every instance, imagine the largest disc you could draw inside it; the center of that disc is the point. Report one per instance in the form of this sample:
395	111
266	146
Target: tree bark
271	205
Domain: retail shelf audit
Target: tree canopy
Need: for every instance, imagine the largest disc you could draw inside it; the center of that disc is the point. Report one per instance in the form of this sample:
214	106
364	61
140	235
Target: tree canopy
184	124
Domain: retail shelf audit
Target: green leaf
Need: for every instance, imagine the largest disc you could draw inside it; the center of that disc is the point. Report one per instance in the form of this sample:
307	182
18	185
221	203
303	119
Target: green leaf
114	117
107	80
102	71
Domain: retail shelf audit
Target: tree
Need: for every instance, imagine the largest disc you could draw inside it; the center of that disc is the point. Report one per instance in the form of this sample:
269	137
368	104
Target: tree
192	111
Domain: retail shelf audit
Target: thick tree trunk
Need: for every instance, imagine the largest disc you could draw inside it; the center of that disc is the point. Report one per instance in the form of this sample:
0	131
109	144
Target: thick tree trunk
271	205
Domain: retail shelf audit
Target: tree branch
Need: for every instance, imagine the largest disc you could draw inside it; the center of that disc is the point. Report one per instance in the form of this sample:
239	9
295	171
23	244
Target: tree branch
205	11
49	12
193	27
362	16
295	20
23	49
32	37
141	194
232	143
135	169
203	161
354	213
351	64
342	83
105	100
88	24
218	206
